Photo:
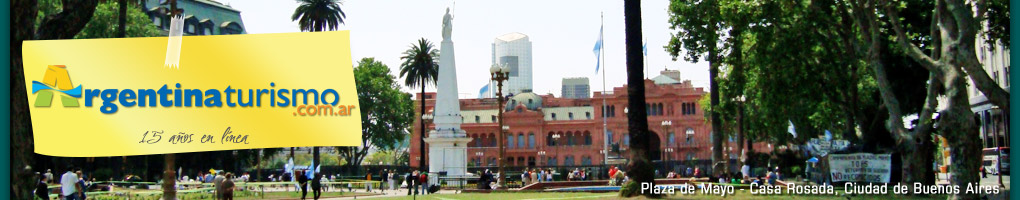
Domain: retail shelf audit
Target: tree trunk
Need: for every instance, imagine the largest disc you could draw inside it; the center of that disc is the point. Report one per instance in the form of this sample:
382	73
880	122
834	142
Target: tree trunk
122	19
315	158
640	169
421	147
713	74
258	164
959	128
169	178
63	25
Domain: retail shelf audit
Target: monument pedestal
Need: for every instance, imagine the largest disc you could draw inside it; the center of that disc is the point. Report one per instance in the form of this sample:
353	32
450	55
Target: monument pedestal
447	155
448	142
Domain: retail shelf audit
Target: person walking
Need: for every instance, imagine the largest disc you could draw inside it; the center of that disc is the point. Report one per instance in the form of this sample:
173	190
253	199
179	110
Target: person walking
390	177
48	175
67	184
218	185
42	190
227	187
424	182
382	180
409	180
302	183
80	186
368	182
317	186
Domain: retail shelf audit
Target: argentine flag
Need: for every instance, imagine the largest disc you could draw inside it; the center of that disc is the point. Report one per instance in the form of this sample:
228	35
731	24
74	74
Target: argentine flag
483	91
598	47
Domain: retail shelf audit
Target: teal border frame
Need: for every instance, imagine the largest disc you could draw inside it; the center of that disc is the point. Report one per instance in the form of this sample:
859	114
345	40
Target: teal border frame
1012	90
5	99
5	76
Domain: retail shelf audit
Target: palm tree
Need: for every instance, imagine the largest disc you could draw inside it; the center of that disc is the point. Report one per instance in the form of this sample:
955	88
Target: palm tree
315	16
420	68
640	166
318	15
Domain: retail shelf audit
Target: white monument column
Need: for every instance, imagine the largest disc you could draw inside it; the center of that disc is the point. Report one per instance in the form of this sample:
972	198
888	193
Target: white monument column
448	142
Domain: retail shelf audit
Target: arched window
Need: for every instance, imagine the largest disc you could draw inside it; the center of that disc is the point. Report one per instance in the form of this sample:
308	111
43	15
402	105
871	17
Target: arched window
570	115
520	140
585	160
531	140
492	139
660	109
549	139
609	136
509	141
478	119
626	139
671	139
568	161
587	138
570	139
520	161
587	115
551	161
553	116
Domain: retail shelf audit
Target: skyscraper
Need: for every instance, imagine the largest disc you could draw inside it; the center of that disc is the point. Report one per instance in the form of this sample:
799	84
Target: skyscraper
514	51
576	88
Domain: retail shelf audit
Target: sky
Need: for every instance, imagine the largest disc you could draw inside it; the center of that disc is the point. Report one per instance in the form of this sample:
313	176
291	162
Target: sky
562	33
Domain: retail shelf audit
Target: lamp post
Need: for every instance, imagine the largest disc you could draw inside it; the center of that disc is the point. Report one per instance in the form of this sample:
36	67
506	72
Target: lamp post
499	75
541	155
666	129
556	142
480	157
427	119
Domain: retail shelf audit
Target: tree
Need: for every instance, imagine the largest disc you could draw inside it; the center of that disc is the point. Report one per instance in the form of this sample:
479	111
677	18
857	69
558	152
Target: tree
419	69
640	166
105	24
698	24
385	111
318	15
951	60
315	16
62	25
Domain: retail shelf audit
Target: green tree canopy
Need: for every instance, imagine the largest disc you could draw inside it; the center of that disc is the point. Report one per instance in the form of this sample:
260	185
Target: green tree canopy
386	112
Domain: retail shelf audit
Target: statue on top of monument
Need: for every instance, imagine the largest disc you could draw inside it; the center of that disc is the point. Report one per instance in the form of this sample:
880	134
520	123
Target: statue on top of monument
447	25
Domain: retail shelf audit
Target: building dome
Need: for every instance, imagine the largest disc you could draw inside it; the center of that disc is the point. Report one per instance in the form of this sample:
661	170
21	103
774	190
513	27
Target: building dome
529	100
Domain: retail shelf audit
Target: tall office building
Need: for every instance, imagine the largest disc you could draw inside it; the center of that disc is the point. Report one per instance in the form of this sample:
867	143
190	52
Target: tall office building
514	51
992	120
576	88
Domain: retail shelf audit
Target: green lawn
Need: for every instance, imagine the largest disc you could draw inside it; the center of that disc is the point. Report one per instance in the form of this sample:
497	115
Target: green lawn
582	195
239	195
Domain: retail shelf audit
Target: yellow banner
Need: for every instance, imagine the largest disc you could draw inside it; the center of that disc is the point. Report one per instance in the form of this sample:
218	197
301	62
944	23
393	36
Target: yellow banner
114	97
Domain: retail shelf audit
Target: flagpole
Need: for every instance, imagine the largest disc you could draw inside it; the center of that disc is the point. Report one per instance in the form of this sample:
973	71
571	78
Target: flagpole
605	130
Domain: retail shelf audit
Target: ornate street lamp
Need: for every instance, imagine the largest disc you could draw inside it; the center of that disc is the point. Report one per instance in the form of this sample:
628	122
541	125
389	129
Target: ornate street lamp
556	142
666	125
427	118
541	155
499	75
480	157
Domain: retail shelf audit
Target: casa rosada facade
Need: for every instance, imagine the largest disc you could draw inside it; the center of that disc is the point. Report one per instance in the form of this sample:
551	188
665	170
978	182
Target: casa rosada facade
550	131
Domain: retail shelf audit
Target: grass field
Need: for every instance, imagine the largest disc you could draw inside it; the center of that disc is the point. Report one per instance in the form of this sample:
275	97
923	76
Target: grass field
583	195
240	195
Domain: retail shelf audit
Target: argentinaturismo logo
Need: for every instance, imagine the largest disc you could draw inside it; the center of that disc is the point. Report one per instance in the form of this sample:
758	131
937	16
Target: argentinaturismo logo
308	102
56	80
